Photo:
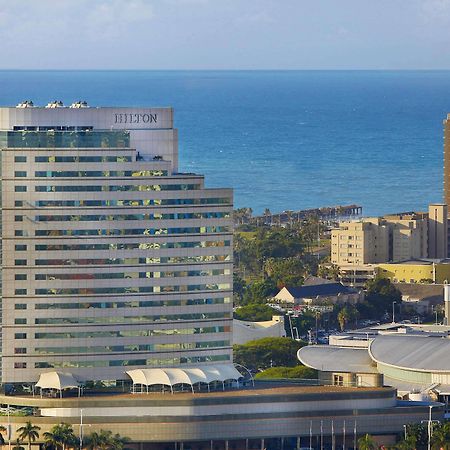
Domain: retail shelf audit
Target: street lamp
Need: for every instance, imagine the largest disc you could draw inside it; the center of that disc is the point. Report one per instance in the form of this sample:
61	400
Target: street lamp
393	312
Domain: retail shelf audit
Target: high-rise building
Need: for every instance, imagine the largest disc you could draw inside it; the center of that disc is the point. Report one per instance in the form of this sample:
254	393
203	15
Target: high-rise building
111	259
392	238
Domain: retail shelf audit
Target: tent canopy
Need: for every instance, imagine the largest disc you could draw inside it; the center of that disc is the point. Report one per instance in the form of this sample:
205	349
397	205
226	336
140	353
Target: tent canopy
57	380
190	376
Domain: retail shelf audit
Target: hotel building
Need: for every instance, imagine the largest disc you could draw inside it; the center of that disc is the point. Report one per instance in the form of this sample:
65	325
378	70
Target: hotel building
111	259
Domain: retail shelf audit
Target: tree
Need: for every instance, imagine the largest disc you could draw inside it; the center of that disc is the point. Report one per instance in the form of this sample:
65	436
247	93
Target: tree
366	442
60	436
29	432
118	442
440	438
343	317
254	313
267	352
299	371
407	444
105	440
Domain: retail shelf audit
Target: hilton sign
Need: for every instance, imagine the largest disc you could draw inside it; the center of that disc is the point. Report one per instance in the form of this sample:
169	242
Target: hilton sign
135	118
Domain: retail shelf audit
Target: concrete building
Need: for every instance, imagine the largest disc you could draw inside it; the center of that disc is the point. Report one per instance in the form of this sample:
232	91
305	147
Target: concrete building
111	258
361	242
359	246
416	271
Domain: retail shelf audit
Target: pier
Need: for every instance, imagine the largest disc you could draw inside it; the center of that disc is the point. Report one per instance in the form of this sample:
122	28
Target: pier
244	215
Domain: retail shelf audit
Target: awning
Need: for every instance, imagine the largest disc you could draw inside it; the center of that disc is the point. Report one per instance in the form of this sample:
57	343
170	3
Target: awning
57	380
189	376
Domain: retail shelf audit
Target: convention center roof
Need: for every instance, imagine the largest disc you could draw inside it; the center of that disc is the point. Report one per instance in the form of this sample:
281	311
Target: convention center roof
330	358
419	353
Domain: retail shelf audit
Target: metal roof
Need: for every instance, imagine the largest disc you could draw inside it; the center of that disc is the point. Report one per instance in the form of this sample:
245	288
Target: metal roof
330	358
419	353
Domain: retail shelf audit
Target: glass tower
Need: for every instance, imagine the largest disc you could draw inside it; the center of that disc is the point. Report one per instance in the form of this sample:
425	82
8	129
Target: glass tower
110	258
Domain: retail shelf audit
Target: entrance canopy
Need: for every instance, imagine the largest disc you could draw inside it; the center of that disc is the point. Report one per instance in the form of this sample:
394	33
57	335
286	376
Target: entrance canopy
58	381
190	376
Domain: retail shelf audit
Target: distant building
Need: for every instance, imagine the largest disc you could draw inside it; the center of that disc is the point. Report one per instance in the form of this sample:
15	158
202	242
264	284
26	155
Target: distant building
358	245
416	271
421	298
321	292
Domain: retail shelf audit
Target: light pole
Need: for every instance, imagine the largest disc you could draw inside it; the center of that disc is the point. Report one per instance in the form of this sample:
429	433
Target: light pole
404	427
393	312
429	428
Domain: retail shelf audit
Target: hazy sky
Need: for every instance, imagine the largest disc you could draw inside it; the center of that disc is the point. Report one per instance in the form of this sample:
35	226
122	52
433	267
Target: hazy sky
225	34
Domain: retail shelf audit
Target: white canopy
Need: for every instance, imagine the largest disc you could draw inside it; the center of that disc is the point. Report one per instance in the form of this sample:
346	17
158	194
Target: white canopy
190	376
57	380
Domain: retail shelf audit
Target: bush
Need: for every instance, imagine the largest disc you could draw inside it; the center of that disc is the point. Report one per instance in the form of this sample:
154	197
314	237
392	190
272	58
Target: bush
299	371
254	313
267	352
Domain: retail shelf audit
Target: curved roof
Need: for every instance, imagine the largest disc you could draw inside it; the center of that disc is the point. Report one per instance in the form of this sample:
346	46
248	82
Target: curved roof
330	358
190	376
420	353
57	380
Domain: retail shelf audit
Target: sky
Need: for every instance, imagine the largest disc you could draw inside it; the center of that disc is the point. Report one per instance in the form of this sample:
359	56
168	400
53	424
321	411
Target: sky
225	34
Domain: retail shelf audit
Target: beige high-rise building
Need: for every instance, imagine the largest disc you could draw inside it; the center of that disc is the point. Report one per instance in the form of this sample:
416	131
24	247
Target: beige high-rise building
360	242
392	238
111	258
437	231
447	160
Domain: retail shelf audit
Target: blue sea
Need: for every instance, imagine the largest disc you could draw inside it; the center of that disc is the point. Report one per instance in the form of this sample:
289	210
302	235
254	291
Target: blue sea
284	139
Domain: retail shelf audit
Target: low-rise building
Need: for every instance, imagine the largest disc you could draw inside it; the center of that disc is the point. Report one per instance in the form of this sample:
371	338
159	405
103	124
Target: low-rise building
322	292
416	271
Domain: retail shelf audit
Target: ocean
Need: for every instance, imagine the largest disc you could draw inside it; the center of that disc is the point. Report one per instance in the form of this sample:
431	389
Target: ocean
284	139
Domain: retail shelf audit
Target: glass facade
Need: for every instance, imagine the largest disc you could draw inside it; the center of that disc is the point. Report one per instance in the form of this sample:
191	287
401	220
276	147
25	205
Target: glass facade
113	258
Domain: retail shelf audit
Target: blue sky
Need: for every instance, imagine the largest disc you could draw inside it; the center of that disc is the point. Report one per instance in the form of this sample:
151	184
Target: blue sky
225	34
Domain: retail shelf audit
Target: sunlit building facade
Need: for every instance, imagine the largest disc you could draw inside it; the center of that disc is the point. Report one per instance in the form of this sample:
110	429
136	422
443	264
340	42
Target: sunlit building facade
111	259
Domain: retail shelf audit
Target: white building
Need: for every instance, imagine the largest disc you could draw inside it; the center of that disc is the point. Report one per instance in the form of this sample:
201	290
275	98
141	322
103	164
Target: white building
111	259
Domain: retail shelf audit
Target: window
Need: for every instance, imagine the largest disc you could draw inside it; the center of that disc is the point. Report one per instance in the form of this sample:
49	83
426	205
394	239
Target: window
20	321
18	218
20	276
20	365
20	247
20	173
18	233
20	292
20	350
20	189
18	203
338	380
20	306
20	335
20	262
20	159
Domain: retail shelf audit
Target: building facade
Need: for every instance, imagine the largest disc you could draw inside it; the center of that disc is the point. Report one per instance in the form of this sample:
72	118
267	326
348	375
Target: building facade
111	258
391	238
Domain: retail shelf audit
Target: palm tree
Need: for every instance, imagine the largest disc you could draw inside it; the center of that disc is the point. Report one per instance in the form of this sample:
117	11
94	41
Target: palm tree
60	436
441	437
367	443
104	440
118	442
343	317
28	432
